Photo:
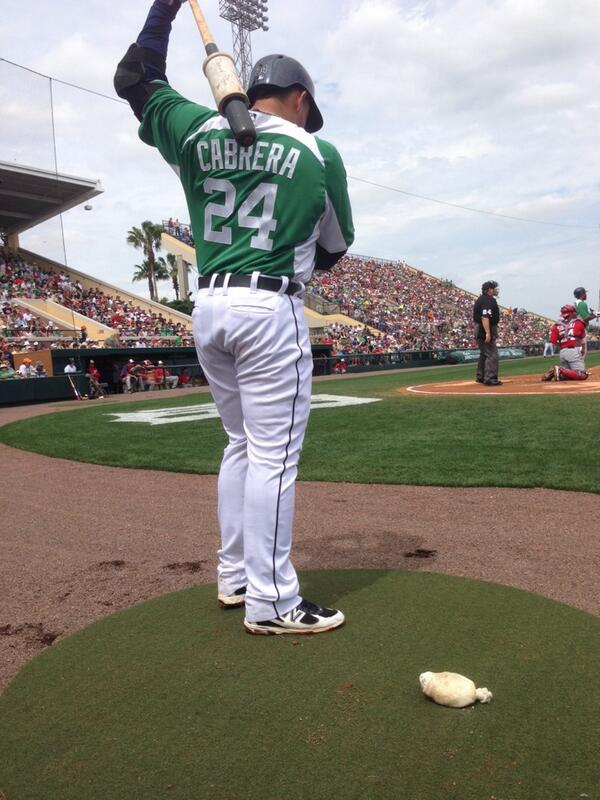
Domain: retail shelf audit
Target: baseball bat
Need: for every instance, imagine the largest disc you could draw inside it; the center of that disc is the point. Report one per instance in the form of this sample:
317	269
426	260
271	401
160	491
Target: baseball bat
76	392
230	97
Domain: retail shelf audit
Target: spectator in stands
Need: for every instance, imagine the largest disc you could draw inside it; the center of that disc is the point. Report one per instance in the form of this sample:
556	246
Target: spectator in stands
6	371
71	366
25	280
26	370
40	370
408	309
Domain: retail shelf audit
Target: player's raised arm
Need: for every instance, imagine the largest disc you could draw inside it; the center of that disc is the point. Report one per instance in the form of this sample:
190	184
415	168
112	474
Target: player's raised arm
142	70
337	229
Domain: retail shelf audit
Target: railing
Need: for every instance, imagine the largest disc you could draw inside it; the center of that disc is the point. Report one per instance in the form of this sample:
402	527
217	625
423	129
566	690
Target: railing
182	232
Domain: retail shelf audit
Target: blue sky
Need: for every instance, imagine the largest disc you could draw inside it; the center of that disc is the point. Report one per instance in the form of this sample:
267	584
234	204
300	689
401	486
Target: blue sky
485	103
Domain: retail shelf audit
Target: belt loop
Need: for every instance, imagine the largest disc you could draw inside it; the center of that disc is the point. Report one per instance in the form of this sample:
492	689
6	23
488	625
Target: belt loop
285	282
254	281
226	280
211	287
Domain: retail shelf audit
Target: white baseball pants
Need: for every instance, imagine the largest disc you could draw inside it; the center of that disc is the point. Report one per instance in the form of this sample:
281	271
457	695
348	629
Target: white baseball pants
254	349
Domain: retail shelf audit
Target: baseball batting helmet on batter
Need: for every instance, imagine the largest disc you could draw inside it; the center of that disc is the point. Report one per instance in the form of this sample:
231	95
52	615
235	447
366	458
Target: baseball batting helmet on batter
283	72
579	292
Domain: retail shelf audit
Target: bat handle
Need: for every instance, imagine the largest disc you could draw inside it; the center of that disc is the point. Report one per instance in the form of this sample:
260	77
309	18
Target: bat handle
240	122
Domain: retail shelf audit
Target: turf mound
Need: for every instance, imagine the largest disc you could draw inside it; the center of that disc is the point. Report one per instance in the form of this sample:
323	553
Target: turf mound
171	699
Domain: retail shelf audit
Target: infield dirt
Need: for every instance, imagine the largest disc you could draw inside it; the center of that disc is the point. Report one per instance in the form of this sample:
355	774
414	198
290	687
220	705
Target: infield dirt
515	385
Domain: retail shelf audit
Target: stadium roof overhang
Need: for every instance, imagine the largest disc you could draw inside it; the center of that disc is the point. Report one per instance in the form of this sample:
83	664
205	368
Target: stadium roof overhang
29	195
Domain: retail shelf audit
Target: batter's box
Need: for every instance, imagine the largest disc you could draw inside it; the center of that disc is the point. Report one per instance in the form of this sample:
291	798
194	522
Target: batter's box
166	416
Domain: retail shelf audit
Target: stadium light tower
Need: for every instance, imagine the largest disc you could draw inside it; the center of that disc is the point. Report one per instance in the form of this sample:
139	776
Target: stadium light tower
245	16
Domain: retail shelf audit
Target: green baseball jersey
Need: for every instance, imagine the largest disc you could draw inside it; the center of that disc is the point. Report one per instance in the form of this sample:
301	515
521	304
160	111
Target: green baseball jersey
263	207
583	310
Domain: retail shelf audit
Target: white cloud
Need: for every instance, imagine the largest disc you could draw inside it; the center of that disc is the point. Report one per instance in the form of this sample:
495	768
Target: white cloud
484	103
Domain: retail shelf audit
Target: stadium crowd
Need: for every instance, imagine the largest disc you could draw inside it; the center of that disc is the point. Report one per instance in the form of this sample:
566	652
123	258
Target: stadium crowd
135	327
398	308
409	309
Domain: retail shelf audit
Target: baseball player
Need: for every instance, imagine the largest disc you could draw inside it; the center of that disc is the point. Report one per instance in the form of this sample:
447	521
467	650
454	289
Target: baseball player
584	312
568	332
263	217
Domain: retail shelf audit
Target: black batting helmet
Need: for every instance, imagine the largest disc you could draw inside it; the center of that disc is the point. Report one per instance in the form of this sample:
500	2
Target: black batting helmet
579	292
284	72
488	285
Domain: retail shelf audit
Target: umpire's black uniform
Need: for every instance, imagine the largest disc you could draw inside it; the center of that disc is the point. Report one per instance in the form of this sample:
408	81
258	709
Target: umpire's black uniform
486	307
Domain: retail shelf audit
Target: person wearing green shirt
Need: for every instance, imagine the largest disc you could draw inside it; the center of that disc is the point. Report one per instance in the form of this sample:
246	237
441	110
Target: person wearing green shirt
263	216
584	312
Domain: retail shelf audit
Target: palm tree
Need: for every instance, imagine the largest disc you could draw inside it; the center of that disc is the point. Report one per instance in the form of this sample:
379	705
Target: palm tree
147	239
145	273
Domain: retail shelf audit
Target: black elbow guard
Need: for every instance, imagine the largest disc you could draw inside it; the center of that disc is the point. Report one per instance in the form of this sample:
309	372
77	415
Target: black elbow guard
326	260
138	67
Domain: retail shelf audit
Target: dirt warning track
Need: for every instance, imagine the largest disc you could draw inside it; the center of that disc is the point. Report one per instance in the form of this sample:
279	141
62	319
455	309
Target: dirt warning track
515	385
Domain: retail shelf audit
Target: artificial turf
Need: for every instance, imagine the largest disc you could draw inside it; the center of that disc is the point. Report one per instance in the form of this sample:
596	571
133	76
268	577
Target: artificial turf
532	441
171	699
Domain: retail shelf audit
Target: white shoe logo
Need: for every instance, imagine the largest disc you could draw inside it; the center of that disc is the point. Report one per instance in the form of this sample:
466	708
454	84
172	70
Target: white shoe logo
295	614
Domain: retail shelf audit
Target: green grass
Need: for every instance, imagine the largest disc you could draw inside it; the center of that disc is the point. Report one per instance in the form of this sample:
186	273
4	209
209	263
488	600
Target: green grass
171	699
449	441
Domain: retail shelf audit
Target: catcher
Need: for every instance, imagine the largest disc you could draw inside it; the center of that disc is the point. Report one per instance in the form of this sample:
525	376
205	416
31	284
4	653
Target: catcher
568	332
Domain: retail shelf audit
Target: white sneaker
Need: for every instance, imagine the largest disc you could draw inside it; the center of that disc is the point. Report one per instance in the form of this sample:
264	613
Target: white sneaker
307	617
235	600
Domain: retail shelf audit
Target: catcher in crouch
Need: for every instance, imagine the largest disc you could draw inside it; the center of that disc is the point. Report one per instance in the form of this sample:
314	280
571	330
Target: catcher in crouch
568	332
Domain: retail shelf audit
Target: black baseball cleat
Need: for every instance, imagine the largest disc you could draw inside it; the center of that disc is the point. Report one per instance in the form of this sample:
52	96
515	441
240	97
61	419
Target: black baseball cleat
479	380
235	600
494	382
307	617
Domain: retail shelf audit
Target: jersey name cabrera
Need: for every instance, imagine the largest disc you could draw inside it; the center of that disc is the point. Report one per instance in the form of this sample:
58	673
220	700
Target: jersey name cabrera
263	207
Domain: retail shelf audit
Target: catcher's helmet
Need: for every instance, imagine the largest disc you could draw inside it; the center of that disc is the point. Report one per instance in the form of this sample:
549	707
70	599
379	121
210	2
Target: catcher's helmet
285	72
579	292
488	285
568	311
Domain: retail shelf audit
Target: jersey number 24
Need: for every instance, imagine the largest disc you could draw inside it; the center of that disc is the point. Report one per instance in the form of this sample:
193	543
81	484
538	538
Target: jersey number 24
265	224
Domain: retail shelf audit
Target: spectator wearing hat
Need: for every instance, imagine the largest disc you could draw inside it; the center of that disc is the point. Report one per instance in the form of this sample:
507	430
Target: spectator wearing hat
40	370
486	316
6	371
26	370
